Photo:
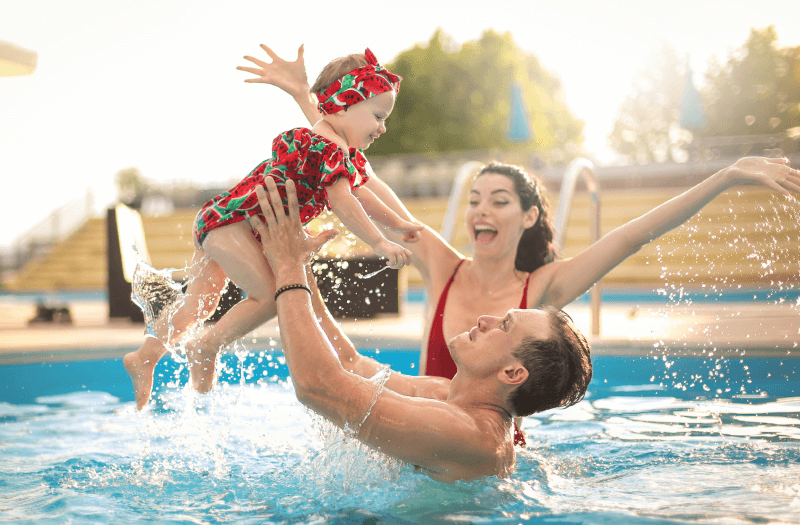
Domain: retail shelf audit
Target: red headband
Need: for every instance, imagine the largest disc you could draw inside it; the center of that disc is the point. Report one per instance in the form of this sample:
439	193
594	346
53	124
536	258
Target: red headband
358	85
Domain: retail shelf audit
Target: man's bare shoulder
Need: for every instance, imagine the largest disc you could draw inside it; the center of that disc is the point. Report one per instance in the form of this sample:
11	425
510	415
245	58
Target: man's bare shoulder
448	441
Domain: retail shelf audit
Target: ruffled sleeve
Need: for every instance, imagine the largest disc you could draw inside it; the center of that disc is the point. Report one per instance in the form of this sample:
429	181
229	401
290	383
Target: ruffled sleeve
335	163
361	164
323	162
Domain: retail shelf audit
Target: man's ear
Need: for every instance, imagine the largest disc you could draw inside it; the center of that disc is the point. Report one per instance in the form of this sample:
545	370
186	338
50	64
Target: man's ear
513	375
531	216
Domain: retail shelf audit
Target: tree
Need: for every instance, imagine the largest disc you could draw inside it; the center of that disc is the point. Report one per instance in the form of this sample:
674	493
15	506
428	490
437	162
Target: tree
757	91
458	98
131	186
647	128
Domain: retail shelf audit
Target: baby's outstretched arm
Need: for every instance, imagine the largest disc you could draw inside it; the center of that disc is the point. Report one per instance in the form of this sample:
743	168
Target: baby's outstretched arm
377	210
352	214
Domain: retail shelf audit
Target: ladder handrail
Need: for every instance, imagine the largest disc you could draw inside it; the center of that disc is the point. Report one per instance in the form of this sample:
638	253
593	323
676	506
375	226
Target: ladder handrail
576	168
465	172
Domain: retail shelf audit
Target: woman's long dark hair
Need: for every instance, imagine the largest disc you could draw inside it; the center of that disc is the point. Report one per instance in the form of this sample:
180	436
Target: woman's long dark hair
536	247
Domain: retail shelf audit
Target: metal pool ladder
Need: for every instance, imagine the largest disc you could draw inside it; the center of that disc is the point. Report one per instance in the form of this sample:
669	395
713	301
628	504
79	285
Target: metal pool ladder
581	166
577	167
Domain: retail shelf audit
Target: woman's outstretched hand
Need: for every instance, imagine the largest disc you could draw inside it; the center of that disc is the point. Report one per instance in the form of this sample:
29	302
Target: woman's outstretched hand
775	174
283	238
288	76
409	230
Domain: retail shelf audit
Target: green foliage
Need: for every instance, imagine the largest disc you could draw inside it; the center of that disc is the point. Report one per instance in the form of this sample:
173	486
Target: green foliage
757	91
131	186
458	98
647	129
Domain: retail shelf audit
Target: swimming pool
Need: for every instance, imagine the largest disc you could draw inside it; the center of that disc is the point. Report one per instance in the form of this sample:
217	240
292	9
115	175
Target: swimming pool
657	440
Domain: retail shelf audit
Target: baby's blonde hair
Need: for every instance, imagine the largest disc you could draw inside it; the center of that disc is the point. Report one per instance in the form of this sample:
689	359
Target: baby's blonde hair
336	69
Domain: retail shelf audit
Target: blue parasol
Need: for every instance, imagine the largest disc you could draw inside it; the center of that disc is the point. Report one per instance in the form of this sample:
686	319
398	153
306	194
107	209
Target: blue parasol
518	129
693	117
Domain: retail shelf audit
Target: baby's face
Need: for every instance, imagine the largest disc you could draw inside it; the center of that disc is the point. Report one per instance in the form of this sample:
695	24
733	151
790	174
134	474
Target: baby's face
364	122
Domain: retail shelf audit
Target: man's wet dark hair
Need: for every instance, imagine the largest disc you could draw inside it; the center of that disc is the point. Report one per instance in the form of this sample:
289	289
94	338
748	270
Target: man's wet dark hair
559	367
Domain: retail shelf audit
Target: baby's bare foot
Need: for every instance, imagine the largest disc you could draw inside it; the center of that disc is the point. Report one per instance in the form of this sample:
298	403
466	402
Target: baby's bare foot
141	365
141	372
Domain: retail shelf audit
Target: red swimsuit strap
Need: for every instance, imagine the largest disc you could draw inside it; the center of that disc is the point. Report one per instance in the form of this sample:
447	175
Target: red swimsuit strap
443	297
524	304
438	361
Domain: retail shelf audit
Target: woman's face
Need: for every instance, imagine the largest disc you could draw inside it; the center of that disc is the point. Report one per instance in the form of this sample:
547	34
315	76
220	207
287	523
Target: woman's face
495	219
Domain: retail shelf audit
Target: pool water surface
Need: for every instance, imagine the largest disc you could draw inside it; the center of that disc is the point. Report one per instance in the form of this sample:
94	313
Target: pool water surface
657	440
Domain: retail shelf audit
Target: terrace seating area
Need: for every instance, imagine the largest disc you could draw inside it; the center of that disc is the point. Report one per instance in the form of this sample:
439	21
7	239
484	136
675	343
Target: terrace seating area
742	238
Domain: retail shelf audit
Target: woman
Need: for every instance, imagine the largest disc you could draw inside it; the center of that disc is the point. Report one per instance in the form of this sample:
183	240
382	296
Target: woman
513	263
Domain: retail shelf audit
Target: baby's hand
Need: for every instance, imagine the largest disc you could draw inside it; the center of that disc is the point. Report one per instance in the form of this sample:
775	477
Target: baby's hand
288	76
410	231
396	256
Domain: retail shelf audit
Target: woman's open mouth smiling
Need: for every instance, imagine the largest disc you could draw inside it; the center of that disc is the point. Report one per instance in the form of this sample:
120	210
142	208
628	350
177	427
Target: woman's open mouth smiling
484	234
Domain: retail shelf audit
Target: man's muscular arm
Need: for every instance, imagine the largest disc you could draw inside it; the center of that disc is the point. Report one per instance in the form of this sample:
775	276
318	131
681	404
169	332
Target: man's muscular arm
441	437
414	386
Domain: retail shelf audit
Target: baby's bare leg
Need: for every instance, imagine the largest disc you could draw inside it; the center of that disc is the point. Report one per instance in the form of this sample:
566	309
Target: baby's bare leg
200	300
238	253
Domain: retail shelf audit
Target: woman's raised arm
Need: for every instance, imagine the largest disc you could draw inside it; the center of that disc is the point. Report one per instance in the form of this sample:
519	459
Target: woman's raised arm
571	278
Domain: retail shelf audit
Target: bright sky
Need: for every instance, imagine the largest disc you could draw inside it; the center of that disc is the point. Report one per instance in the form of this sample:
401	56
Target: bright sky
154	85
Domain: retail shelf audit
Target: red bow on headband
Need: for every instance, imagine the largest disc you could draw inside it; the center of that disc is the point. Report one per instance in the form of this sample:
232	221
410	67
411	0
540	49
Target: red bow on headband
358	85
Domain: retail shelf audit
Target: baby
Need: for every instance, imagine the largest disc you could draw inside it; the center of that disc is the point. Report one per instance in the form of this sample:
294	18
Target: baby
356	95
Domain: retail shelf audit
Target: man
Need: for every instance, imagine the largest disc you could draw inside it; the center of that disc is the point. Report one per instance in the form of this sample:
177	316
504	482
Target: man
525	362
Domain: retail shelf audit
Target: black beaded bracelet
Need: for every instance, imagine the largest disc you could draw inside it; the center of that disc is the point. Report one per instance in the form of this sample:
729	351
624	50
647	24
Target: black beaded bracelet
292	287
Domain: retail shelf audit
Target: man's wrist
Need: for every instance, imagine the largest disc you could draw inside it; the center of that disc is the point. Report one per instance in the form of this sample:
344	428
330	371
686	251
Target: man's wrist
290	274
289	287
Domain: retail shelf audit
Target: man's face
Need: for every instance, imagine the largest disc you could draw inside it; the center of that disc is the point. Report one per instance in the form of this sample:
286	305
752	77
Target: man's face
488	346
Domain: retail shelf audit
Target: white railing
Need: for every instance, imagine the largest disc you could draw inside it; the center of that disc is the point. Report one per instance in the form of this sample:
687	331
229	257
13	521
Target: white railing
463	176
575	169
57	226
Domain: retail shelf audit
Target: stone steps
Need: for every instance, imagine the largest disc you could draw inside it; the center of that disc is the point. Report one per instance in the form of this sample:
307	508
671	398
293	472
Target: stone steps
743	237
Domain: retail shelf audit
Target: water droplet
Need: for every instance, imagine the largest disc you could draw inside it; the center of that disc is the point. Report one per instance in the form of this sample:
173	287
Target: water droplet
749	120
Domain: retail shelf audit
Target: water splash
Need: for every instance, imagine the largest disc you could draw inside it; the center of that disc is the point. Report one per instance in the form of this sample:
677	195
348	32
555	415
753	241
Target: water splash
725	250
156	293
379	381
372	274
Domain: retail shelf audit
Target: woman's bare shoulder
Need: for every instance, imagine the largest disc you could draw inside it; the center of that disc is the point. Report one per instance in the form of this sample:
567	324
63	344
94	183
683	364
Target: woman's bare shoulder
543	289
